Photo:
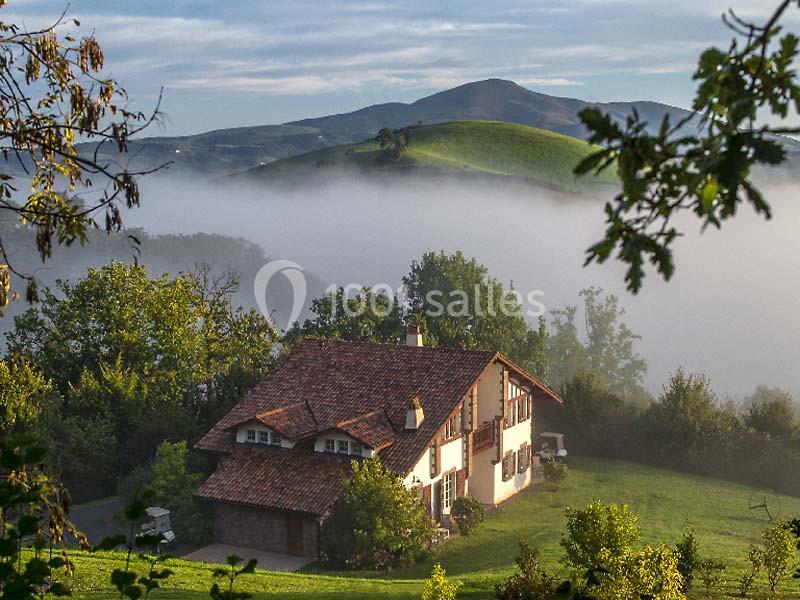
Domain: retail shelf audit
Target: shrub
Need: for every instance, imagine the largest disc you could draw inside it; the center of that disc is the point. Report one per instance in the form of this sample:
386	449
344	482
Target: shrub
468	513
649	573
530	582
750	572
687	553
599	535
777	554
555	473
438	587
378	523
710	572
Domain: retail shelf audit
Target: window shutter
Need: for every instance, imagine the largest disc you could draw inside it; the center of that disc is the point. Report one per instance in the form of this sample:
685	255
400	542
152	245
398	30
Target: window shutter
436	457
426	498
440	486
461	480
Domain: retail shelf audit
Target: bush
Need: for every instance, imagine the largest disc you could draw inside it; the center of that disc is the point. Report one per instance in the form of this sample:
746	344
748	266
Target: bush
710	572
687	553
468	513
555	473
599	535
530	582
438	587
378	523
777	554
650	573
750	572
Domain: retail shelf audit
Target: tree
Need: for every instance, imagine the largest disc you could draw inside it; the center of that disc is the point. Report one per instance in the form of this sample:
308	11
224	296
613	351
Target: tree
378	523
463	307
772	411
555	473
687	552
591	414
702	163
599	536
368	316
137	360
438	587
710	573
24	394
608	349
54	95
530	581
686	422
174	487
777	554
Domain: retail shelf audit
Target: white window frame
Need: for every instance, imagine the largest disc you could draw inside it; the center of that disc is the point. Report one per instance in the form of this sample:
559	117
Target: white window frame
263	437
275	438
342	447
448	493
251	436
356	448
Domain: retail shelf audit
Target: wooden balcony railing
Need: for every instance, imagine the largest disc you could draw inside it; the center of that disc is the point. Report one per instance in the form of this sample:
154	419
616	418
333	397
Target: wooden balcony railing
483	438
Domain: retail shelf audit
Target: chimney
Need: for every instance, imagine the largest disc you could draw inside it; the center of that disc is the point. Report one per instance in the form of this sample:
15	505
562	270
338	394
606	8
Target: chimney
414	416
413	336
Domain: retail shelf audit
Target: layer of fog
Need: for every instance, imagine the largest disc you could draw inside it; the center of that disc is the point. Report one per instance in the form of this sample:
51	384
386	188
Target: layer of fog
731	310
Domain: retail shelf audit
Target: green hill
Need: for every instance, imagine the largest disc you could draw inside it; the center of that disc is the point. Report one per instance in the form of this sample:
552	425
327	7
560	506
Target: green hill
490	148
668	503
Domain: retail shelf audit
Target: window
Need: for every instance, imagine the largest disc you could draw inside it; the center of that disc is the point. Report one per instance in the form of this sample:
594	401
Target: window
449	483
355	448
251	435
509	464
453	426
330	445
343	447
523	458
276	439
263	437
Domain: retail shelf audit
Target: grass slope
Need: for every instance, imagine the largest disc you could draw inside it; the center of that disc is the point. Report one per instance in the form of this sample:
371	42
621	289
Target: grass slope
667	503
477	147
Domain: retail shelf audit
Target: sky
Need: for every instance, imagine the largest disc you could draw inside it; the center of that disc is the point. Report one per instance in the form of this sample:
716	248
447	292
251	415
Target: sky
254	62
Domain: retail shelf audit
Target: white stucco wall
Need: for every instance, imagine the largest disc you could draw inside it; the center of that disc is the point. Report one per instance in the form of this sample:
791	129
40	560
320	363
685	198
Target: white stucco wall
452	454
513	438
490	389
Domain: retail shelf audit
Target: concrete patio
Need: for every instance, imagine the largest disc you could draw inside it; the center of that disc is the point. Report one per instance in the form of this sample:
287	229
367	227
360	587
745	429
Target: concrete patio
270	561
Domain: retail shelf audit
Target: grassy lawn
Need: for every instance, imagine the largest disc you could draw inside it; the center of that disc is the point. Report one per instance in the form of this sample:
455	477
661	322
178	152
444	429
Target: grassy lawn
667	503
481	147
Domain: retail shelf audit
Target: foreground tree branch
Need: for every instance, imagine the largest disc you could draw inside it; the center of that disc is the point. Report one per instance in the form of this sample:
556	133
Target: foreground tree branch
52	97
704	162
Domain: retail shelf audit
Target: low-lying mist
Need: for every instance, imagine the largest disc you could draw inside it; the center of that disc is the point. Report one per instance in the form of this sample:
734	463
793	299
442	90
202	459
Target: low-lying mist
730	311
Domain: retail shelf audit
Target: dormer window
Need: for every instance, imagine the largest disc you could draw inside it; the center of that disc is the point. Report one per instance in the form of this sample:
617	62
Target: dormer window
355	448
343	447
251	435
276	439
330	445
263	437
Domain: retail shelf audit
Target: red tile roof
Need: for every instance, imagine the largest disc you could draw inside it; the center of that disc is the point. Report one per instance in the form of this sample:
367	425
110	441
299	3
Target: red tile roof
269	478
362	389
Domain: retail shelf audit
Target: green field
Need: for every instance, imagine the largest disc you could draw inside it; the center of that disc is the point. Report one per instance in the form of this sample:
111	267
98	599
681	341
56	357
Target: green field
667	503
488	148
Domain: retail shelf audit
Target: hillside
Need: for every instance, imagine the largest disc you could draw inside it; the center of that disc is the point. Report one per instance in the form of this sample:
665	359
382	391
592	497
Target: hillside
467	147
228	150
668	503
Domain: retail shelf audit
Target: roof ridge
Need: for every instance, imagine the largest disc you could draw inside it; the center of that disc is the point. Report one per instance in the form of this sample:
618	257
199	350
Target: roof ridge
396	345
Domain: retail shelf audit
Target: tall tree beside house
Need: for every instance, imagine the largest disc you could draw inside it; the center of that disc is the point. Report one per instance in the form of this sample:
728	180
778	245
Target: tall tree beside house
464	307
367	316
54	95
378	523
137	360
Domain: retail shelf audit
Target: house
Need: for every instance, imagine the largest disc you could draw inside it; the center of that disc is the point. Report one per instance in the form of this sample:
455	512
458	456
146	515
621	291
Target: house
450	422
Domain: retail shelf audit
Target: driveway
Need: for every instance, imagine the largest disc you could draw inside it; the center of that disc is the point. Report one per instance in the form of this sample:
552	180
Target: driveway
269	561
96	519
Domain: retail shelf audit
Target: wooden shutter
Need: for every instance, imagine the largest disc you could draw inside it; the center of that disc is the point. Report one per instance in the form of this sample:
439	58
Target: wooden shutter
440	487
436	457
461	480
426	498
